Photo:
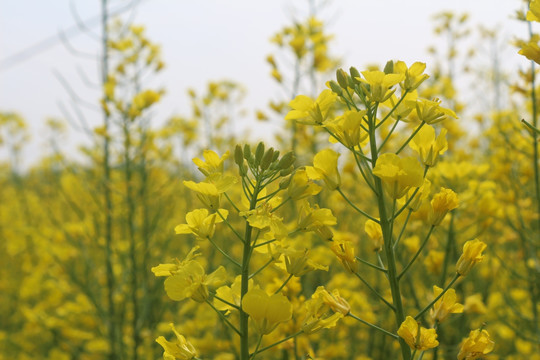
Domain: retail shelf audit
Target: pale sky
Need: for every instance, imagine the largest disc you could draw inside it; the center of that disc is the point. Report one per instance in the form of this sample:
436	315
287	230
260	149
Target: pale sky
207	40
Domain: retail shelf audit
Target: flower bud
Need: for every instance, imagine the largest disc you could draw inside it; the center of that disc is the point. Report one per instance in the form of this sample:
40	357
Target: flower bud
342	78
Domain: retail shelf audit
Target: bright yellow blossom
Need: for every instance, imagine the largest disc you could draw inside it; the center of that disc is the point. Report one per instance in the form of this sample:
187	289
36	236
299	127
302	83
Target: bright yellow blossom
431	112
472	254
441	204
374	231
344	250
210	190
417	337
201	224
427	146
320	315
398	174
446	305
171	269
212	164
325	168
300	187
181	349
266	311
311	219
476	345
230	294
380	84
298	263
414	75
309	112
191	281
334	301
534	11
421	195
347	129
531	51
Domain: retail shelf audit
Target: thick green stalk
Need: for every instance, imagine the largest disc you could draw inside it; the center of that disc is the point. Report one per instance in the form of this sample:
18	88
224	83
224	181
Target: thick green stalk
387	236
244	332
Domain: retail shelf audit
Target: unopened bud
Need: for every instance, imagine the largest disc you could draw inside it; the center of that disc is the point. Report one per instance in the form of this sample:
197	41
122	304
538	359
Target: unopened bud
259	152
354	73
287	160
285	182
287	171
342	78
267	159
335	87
389	67
238	155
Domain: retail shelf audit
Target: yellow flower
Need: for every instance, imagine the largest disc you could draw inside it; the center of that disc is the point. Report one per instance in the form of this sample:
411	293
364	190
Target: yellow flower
334	301
421	195
427	146
476	345
300	187
230	294
441	204
431	112
345	253
265	219
446	305
212	164
210	190
142	101
191	281
380	84
347	129
531	51
325	168
298	263
266	311
398	175
374	231
171	269
417	337
414	75
472	254
201	224
319	314
534	11
311	219
181	349
309	112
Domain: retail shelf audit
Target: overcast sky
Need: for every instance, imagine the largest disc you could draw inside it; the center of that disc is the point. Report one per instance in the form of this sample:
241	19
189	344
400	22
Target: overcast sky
206	40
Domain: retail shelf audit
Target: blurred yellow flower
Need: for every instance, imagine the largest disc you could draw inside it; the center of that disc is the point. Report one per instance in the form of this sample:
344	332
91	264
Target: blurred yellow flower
212	162
431	112
374	231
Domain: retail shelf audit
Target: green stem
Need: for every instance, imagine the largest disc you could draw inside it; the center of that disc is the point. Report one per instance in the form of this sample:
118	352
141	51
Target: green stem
370	264
394	108
284	283
387	236
262	268
257	348
410	137
226	302
417	253
402	229
373	326
225	320
278	342
224	253
388	136
448	250
356	208
375	291
230	226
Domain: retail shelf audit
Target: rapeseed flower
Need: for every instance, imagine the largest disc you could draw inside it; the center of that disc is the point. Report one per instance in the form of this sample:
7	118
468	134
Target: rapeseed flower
446	305
200	224
417	337
441	204
309	112
427	146
398	174
181	349
191	281
476	345
325	168
472	254
266	311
